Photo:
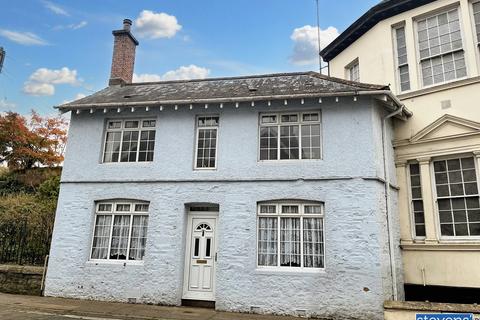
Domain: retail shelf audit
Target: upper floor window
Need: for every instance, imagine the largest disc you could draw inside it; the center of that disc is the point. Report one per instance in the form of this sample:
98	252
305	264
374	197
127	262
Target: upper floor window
402	59
120	230
206	147
457	196
129	140
440	48
353	71
417	200
476	18
287	136
291	235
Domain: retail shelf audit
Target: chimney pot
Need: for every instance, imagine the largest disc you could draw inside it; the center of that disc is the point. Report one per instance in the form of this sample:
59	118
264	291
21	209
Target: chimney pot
127	23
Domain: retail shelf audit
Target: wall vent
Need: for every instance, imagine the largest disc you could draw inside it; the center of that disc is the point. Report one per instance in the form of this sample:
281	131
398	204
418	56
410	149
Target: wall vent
446	104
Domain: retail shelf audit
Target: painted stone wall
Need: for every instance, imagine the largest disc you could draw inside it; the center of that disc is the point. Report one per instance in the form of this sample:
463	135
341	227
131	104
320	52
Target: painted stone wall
357	277
351	284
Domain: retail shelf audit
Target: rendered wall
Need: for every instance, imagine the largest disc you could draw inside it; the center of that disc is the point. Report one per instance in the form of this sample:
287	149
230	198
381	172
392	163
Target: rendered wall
357	277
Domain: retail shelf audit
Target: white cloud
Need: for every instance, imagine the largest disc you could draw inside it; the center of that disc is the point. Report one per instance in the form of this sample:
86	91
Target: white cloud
79	25
38	89
73	26
42	81
183	73
146	77
25	38
305	50
80	96
156	25
77	97
63	75
55	8
6	105
187	72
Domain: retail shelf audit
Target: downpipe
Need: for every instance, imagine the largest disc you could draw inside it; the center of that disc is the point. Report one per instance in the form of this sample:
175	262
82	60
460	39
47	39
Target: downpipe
393	270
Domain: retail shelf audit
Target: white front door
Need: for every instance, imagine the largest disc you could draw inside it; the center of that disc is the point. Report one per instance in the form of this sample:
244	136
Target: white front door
200	258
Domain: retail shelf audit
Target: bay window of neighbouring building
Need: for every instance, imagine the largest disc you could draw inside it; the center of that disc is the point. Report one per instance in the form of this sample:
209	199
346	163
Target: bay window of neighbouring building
441	53
402	61
291	235
418	214
289	136
120	231
457	196
206	146
129	140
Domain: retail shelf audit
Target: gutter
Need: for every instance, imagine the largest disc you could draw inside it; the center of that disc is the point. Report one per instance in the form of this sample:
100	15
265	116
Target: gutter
232	100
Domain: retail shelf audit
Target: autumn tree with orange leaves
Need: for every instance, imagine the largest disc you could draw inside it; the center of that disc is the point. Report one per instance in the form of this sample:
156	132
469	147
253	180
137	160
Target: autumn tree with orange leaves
39	141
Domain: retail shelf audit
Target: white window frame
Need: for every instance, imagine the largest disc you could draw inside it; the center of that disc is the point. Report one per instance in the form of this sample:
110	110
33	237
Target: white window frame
397	64
437	12
410	199
197	130
472	19
113	212
434	192
122	129
278	124
301	205
473	27
349	68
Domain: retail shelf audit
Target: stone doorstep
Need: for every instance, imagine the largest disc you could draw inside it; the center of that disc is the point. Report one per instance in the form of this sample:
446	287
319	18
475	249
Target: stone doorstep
431	307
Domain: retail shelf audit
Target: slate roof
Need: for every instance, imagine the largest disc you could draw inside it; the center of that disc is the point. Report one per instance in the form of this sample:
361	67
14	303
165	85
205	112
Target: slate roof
383	10
258	87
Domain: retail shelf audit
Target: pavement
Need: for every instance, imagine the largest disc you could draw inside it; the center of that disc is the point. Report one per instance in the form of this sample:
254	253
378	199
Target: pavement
21	307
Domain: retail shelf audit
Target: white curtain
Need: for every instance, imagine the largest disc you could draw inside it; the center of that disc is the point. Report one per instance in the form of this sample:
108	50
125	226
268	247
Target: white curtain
121	228
101	237
290	255
312	243
267	241
139	238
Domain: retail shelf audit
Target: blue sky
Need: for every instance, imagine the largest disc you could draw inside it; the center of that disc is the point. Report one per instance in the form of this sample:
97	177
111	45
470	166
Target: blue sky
59	50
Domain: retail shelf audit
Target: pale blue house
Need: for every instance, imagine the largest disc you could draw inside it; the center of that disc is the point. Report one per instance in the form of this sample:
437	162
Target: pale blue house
270	194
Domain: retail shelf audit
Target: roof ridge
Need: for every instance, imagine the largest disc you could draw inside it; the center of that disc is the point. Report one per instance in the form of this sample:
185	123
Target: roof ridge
254	76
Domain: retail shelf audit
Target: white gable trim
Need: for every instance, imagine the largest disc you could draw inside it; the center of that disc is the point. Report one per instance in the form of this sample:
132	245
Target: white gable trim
422	136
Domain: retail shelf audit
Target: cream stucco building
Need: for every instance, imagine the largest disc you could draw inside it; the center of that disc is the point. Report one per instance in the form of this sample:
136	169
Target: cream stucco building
428	51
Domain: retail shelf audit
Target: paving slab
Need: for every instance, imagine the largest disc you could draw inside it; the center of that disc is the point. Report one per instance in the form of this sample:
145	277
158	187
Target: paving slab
22	307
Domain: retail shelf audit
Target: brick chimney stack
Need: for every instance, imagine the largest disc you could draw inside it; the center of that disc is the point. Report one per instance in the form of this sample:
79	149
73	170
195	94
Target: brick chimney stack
123	55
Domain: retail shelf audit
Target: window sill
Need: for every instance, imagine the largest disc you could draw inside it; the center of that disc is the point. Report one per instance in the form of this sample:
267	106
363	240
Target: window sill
136	163
444	245
114	262
290	272
289	161
438	87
